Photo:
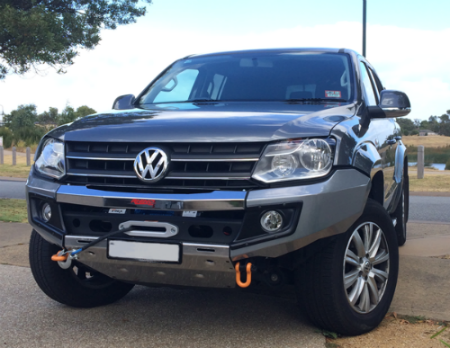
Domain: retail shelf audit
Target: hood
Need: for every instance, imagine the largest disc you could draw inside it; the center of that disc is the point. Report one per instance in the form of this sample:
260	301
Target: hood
209	122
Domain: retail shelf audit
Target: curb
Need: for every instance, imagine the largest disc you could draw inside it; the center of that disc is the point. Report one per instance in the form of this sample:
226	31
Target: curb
7	178
429	193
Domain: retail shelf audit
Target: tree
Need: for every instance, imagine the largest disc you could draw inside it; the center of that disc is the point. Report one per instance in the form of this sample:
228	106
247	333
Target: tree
445	129
424	124
417	122
48	117
68	115
84	111
22	124
445	118
406	125
35	32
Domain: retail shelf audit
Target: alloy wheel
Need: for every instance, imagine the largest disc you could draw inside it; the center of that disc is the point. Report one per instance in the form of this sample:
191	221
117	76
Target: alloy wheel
366	267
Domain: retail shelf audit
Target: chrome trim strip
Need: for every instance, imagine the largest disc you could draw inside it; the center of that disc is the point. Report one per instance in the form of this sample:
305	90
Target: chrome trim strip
102	158
208	178
104	175
167	177
215	200
171	230
253	159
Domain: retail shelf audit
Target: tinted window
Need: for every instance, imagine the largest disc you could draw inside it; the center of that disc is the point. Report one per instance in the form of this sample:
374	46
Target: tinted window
367	85
254	77
376	79
178	88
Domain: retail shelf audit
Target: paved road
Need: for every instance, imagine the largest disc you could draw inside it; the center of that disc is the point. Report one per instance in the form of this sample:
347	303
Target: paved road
422	208
150	317
12	189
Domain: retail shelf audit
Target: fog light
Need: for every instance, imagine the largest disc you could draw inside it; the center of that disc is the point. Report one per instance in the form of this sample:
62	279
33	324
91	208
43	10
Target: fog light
271	221
46	212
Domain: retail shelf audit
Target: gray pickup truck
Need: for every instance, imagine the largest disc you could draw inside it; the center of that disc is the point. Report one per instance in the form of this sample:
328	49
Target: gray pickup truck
234	169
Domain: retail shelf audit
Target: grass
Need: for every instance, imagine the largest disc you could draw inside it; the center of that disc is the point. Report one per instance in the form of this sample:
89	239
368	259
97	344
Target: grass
13	210
438	333
20	170
430	183
412	319
427	141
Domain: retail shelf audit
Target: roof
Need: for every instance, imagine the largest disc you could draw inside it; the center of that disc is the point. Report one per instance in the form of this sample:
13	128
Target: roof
281	50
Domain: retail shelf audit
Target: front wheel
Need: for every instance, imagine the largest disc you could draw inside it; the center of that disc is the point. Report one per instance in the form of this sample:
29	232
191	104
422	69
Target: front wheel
74	286
348	287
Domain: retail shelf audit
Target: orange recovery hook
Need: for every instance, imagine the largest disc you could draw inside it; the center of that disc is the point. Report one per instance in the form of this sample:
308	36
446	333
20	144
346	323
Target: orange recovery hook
238	275
60	256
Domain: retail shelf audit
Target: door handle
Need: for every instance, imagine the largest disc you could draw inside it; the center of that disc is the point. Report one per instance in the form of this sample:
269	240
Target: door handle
391	141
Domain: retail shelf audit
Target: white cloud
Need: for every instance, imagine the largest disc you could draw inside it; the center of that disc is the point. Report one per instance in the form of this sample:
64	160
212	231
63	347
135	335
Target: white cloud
128	58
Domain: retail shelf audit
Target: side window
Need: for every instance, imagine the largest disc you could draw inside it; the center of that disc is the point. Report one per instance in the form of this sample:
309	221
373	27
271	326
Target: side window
367	85
179	88
377	80
375	87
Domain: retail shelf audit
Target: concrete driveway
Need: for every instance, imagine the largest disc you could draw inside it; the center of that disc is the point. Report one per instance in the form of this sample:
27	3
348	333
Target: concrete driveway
150	317
163	317
147	317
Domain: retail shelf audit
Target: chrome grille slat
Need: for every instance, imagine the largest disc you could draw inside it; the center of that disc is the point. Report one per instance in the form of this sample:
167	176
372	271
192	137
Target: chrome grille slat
102	158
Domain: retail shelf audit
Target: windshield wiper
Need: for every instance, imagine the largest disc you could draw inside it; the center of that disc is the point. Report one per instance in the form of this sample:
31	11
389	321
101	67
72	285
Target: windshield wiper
316	99
201	100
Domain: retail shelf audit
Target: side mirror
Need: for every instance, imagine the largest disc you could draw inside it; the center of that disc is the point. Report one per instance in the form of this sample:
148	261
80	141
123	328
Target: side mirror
394	103
124	102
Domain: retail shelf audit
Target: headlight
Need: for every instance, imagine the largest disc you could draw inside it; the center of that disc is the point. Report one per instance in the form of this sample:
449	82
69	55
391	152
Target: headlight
51	160
293	160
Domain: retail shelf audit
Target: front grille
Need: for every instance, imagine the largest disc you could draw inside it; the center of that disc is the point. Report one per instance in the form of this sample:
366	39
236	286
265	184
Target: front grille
211	166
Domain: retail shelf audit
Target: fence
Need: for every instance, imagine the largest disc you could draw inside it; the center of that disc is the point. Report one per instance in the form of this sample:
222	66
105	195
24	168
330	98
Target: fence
14	156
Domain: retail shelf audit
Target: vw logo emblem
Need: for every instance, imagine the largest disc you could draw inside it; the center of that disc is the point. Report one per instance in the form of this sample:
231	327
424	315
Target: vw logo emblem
151	164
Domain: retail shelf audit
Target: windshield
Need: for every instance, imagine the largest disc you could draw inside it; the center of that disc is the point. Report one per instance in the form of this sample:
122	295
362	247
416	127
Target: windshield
286	76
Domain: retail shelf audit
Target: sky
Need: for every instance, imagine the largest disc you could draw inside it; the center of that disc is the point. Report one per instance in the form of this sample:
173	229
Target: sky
407	43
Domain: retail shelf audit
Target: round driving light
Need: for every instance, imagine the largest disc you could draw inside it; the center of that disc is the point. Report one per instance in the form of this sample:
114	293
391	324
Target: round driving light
284	165
46	212
316	155
271	221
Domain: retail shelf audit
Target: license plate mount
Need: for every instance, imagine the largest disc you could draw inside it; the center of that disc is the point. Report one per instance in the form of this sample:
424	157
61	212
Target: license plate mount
144	251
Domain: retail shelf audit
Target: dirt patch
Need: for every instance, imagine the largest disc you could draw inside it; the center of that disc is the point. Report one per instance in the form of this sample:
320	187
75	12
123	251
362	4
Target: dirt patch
398	331
444	257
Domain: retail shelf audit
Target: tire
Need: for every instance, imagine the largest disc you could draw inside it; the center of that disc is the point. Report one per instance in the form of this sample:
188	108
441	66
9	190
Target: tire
402	210
75	286
320	281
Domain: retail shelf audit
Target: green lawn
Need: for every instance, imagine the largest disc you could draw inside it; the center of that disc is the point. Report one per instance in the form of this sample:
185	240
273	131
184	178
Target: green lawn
20	170
13	210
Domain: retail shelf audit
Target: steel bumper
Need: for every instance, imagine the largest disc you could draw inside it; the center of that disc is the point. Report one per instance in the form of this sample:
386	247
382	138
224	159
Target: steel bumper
328	208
